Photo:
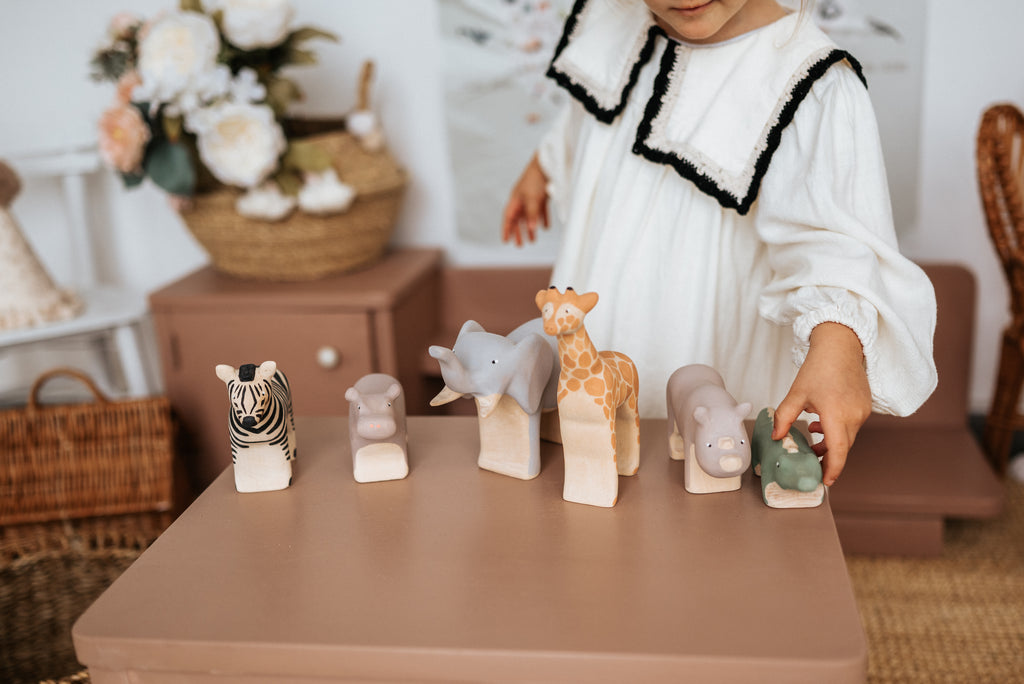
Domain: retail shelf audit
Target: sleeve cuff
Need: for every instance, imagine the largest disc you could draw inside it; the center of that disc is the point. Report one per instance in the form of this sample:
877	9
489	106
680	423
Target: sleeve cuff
813	306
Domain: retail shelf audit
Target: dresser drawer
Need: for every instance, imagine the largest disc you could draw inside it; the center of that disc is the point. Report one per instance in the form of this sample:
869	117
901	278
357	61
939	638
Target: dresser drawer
322	354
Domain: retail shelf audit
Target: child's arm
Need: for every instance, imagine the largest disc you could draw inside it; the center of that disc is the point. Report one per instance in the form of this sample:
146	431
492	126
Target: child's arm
833	383
527	205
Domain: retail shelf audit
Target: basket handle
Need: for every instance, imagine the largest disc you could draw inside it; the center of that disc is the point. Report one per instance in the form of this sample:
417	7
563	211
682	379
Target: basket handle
365	78
33	396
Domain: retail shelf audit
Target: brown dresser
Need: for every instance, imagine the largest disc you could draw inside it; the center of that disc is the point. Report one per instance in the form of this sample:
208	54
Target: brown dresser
324	334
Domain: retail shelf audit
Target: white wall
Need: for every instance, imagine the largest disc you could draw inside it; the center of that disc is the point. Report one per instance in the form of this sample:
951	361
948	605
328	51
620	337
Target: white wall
971	61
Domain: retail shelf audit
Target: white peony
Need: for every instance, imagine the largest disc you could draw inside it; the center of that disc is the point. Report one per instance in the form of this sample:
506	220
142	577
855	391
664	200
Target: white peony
323	193
238	142
265	202
251	24
178	61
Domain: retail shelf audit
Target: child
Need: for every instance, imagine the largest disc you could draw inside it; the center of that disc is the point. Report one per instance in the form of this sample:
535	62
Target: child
721	186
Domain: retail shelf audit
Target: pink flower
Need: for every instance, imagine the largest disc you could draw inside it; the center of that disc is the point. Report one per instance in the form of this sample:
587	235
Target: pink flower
123	137
126	85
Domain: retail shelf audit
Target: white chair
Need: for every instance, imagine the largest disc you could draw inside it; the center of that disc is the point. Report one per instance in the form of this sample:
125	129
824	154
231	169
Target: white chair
112	316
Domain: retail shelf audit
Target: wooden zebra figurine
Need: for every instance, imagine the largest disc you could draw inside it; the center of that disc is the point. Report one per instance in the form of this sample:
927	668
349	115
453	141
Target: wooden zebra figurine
261	426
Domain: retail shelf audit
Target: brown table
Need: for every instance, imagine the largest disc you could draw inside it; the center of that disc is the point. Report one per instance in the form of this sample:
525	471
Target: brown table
460	574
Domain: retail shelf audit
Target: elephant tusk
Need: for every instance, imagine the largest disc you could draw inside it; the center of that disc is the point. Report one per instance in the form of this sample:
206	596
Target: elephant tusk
445	396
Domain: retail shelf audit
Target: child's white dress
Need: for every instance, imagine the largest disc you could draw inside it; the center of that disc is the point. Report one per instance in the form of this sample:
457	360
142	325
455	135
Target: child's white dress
723	200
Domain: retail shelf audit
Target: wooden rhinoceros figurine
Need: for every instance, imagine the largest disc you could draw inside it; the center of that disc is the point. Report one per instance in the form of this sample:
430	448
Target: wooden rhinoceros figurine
377	430
706	429
789	469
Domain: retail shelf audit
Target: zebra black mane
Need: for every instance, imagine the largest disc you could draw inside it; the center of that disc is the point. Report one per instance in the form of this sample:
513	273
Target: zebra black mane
247	372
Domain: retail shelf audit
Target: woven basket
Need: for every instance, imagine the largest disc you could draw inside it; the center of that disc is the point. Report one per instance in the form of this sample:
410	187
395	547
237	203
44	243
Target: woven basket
76	460
306	246
50	573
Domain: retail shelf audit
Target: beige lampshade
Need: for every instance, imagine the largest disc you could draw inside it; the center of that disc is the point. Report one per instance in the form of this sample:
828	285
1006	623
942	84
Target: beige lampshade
28	296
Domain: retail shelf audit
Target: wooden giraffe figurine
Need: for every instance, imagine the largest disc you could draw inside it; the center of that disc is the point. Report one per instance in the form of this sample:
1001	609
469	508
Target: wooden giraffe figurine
597	403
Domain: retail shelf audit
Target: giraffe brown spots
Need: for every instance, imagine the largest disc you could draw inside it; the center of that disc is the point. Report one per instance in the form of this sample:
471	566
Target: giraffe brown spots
585	360
581	373
568	362
573	385
595	387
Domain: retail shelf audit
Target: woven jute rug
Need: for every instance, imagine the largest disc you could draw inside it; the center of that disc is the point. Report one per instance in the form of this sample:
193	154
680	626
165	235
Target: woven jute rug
958	618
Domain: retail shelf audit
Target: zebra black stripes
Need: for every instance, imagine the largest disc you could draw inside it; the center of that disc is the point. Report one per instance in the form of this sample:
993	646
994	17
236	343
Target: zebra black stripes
261	408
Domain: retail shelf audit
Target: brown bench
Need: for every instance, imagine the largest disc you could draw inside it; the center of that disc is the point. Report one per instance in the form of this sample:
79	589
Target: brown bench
904	476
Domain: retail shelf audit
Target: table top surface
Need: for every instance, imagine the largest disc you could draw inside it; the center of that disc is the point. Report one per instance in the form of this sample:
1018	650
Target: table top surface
460	573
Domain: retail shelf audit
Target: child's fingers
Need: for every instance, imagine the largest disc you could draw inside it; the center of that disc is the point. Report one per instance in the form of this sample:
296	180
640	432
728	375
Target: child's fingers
838	441
510	227
536	213
786	414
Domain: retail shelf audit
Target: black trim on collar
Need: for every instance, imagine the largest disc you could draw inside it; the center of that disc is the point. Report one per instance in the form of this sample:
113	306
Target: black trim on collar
687	170
580	92
684	167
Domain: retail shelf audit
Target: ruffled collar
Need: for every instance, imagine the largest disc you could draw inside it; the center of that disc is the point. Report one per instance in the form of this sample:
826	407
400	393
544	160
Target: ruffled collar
716	112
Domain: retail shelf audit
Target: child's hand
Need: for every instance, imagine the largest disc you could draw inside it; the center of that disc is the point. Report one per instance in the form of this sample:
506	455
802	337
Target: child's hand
527	205
833	384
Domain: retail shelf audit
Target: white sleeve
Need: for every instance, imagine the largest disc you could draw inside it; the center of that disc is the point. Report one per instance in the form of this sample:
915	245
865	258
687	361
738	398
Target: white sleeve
825	217
555	154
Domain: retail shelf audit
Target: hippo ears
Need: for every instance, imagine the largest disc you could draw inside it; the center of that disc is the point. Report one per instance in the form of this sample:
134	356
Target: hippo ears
352	394
393	390
225	372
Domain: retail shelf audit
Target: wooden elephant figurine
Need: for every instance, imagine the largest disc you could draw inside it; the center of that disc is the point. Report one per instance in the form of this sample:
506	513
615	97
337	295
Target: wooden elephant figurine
513	380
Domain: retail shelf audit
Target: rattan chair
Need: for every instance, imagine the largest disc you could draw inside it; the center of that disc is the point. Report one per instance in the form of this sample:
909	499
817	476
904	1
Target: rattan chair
1000	161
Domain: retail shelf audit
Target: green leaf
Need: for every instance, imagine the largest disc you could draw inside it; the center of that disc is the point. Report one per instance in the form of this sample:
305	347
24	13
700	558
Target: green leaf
281	92
191	6
306	156
172	127
289	181
169	164
300	57
309	33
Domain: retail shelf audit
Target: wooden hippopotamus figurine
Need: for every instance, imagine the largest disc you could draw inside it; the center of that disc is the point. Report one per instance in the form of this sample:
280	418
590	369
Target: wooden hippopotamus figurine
513	380
261	426
789	469
705	426
376	426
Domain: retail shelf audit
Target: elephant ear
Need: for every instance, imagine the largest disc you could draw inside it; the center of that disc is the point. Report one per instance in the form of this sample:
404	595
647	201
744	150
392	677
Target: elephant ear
532	360
470	326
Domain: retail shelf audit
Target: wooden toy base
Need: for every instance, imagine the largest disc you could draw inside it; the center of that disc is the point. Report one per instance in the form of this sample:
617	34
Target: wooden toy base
380	462
262	468
509	444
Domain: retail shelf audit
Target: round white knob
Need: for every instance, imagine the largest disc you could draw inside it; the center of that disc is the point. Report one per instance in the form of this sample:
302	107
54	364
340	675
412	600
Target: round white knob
328	357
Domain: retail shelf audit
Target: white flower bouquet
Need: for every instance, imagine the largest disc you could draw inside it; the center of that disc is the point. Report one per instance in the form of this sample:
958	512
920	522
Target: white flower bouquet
201	100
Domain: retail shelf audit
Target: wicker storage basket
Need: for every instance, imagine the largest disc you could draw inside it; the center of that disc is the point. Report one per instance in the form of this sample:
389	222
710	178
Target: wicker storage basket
306	246
75	460
50	573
